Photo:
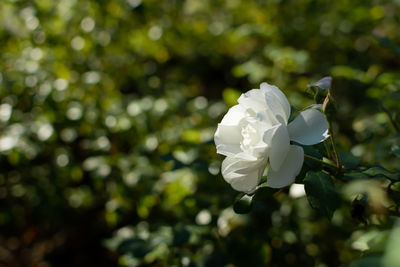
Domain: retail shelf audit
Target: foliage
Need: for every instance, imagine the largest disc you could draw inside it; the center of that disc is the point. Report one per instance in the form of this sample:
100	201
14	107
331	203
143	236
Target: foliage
107	116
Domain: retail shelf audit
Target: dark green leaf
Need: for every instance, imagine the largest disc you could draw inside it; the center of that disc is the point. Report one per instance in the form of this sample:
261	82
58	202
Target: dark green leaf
302	174
264	192
312	152
349	160
263	200
376	172
314	165
380	171
370	261
356	175
321	193
242	204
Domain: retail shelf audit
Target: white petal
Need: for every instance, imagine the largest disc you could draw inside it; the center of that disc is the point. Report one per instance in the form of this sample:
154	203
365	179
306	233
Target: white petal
277	102
235	150
316	106
277	138
228	150
254	100
259	150
240	166
266	118
290	168
243	176
227	134
234	115
309	128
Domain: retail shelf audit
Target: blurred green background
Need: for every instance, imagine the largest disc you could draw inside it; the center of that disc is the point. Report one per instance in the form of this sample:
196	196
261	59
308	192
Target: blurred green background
107	116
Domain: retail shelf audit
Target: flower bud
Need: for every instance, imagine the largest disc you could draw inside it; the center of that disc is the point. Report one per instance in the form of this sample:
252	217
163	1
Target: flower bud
325	83
321	88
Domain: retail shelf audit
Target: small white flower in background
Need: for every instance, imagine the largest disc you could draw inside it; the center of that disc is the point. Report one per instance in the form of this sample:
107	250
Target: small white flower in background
256	132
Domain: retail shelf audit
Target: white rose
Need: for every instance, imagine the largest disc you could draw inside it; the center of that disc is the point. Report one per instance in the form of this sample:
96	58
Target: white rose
256	132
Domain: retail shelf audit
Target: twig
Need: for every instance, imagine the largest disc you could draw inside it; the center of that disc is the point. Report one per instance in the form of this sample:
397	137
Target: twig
334	146
322	162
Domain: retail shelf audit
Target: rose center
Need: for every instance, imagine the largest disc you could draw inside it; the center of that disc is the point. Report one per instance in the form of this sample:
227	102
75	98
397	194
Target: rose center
250	137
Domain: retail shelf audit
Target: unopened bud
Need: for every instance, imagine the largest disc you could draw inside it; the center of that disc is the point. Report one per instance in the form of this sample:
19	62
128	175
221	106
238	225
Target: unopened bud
320	89
325	83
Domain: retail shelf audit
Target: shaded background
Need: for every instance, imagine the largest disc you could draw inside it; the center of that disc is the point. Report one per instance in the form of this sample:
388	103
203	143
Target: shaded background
107	116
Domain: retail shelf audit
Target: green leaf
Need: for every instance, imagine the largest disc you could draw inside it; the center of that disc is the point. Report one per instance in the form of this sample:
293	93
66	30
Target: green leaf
314	153
376	172
380	171
370	261
242	204
300	177
349	160
355	175
264	192
321	193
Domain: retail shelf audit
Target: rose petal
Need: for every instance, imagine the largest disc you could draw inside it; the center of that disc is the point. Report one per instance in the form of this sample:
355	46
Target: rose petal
277	102
259	150
234	115
240	166
254	100
235	151
277	138
290	168
246	155
228	150
309	128
242	175
228	134
266	118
